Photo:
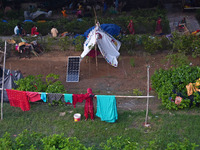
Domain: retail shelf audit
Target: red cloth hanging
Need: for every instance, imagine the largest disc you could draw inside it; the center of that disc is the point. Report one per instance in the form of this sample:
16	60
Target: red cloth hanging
33	96
18	99
78	98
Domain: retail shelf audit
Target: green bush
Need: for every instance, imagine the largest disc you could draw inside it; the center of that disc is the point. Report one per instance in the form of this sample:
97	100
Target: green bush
36	84
151	44
65	43
128	43
143	22
178	59
170	83
31	141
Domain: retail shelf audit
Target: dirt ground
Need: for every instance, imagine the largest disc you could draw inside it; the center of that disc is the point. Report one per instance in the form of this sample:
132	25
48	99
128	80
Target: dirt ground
103	79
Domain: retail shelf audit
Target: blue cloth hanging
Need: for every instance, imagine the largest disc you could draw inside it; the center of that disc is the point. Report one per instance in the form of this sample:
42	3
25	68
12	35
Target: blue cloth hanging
43	97
107	108
68	98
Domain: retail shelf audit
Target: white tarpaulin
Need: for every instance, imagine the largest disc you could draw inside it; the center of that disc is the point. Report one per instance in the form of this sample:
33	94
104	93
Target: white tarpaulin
107	45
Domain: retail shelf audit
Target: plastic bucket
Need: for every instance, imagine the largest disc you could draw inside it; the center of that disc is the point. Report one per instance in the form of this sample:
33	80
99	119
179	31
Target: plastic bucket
77	117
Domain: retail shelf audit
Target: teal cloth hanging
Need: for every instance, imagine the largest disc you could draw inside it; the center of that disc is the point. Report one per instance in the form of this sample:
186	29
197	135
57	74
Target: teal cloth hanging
107	108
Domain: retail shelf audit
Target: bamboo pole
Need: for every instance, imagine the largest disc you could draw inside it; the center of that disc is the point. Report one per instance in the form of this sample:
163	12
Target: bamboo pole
147	109
2	91
95	47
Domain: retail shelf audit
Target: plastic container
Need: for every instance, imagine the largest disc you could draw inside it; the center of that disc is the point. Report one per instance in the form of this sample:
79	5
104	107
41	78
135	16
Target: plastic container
77	117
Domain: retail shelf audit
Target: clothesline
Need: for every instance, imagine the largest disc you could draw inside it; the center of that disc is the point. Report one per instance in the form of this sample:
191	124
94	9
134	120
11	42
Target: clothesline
118	96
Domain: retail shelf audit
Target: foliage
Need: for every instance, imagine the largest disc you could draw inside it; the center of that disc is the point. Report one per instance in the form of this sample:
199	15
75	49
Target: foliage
137	92
54	85
119	143
6	142
78	43
143	23
177	59
49	43
31	140
187	44
186	144
170	83
36	84
151	44
132	62
129	43
65	43
60	142
31	83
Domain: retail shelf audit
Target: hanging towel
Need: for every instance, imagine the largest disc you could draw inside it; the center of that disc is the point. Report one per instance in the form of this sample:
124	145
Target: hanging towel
44	97
107	108
33	96
68	98
78	98
18	99
55	97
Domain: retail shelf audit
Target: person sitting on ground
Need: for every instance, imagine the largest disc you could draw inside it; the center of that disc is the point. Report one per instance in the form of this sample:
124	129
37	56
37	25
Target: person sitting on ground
16	29
54	32
34	31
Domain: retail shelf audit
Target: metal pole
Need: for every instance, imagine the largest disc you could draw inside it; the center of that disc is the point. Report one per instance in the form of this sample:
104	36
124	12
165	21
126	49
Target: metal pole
4	60
147	109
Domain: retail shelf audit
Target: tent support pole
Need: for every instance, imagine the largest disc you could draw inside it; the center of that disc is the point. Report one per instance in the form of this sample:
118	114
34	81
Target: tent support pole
147	108
96	57
95	22
89	66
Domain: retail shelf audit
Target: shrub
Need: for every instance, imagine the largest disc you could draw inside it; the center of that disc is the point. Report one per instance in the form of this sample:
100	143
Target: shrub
36	84
171	83
151	44
65	43
178	59
31	140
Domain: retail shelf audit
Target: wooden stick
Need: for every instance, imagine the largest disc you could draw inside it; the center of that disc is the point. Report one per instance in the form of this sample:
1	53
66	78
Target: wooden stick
147	109
2	91
95	47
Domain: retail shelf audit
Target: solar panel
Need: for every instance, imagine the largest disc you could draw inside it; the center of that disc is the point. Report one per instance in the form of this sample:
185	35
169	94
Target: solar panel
73	69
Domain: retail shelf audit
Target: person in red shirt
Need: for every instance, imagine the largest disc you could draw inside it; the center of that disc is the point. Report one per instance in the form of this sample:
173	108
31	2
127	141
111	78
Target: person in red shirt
34	31
158	26
89	108
131	27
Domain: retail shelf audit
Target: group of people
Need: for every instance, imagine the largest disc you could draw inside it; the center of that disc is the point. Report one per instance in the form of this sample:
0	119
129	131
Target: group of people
158	29
19	31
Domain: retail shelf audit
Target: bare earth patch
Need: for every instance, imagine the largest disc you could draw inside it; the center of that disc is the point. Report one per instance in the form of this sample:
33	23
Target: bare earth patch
103	80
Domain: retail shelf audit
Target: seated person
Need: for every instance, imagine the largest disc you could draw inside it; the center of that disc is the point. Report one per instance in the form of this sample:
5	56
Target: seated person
19	31
34	31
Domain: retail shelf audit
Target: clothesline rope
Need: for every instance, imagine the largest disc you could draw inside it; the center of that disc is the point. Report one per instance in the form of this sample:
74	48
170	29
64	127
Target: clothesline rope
118	96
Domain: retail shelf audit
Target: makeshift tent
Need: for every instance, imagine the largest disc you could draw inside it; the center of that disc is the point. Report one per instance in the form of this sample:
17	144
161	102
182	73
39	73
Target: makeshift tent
31	16
111	29
107	45
10	77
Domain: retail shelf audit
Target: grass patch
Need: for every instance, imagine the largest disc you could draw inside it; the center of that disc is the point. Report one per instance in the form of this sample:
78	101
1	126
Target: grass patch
165	128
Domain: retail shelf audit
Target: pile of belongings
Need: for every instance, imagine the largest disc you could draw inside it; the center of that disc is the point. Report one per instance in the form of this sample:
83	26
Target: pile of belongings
25	47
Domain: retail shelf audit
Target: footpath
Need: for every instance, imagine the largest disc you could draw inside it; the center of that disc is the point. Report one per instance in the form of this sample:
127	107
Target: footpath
175	14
